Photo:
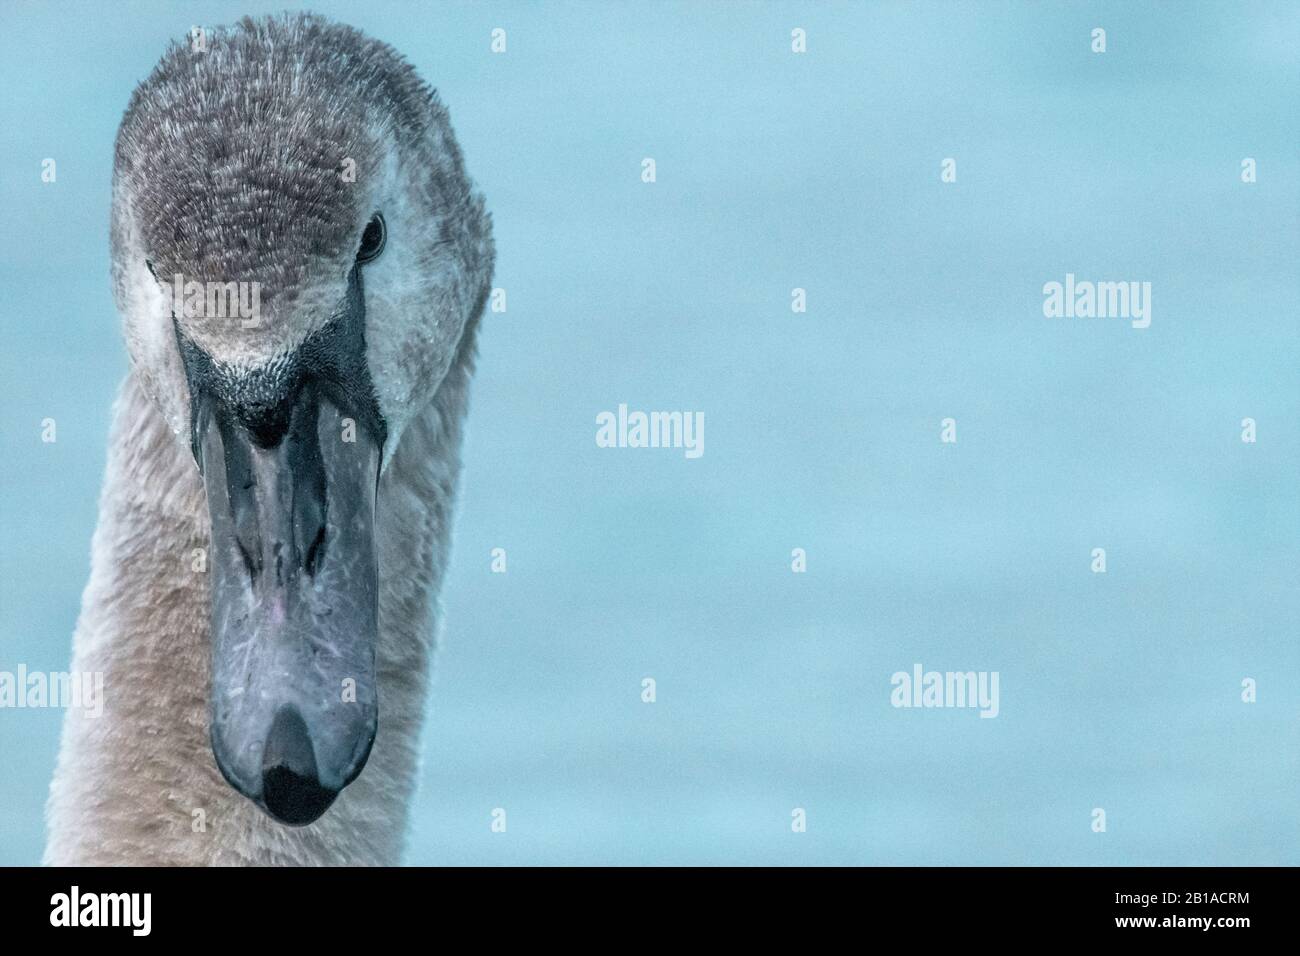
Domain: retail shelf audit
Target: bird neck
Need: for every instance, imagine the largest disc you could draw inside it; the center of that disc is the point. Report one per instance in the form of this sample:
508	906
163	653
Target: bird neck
138	784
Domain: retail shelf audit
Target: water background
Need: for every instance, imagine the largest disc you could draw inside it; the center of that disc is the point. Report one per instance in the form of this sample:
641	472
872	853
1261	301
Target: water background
777	171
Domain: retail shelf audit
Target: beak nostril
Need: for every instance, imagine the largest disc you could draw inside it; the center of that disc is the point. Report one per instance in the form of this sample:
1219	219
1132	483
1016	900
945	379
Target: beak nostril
315	552
249	563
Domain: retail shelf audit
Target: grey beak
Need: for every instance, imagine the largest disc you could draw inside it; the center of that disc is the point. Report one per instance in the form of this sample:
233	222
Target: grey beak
294	602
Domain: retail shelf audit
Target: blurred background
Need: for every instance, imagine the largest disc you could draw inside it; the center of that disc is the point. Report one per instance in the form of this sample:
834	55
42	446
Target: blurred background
778	170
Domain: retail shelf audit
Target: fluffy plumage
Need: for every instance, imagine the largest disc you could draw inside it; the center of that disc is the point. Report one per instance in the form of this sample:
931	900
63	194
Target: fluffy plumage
228	168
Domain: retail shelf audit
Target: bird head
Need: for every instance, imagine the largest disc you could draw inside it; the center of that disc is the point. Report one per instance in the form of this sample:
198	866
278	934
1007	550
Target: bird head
297	254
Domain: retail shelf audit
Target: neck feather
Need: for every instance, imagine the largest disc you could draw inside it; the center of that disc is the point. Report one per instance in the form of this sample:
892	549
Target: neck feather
138	784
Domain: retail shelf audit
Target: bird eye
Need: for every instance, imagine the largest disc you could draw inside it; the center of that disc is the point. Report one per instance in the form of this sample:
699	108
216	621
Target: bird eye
372	240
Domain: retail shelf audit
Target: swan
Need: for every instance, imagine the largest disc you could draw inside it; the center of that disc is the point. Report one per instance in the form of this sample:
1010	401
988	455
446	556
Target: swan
274	521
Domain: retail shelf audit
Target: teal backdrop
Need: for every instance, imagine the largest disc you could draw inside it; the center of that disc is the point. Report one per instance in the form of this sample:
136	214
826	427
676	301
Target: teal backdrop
776	171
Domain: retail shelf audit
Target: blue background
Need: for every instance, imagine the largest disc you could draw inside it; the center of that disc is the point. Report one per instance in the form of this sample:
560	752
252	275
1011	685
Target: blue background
778	171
